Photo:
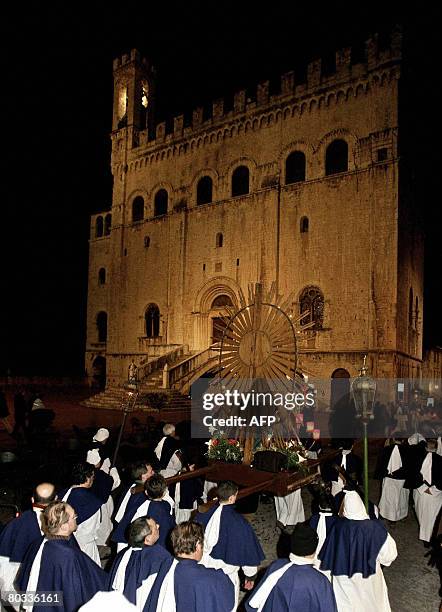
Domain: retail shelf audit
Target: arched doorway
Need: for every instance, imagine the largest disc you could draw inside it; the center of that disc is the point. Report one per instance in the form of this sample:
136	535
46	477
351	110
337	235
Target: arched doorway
217	309
340	387
99	372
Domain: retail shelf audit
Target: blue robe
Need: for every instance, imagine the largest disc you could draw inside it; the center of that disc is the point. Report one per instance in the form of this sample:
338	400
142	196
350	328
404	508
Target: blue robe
158	510
18	534
83	501
102	485
301	589
197	588
352	547
142	564
237	542
64	567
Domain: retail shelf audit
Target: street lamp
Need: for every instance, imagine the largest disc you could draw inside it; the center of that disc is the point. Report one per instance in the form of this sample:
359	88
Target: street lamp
363	389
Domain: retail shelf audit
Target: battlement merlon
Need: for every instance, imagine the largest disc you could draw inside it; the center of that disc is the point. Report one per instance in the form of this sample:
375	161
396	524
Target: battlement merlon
317	81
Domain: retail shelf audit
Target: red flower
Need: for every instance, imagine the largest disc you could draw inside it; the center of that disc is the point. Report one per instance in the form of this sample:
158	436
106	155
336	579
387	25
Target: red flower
232	442
215	442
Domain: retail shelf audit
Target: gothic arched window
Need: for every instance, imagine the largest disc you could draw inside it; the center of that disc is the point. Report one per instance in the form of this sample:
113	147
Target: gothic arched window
295	168
303	225
204	190
311	305
152	321
240	181
102	326
102	276
336	157
160	203
107	224
99	227
137	209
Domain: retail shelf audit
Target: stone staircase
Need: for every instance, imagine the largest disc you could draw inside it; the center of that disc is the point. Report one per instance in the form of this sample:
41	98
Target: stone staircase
152	397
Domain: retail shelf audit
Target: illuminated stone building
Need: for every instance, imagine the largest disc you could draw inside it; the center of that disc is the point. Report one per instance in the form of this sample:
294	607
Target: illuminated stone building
304	187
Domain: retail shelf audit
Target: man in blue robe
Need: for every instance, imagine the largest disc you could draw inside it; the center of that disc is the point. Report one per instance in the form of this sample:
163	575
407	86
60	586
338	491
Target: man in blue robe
353	552
55	563
87	507
149	503
105	481
20	533
140	472
230	542
184	583
136	567
294	585
322	522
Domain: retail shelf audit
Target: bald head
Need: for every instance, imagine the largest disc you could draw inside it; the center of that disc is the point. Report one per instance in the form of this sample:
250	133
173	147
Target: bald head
44	494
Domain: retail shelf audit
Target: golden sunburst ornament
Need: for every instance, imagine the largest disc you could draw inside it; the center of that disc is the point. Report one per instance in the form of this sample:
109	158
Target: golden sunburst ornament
259	340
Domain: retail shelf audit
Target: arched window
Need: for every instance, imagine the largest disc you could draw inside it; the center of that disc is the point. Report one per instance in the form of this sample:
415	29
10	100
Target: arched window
146	242
102	326
303	225
102	276
336	157
98	227
107	224
152	321
160	203
137	209
311	303
220	301
219	240
410	308
204	190
295	168
240	181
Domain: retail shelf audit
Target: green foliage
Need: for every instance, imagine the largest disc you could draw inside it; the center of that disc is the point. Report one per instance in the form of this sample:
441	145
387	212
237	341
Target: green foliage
225	449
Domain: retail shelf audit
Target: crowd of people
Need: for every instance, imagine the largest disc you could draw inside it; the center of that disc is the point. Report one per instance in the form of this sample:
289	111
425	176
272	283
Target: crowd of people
185	547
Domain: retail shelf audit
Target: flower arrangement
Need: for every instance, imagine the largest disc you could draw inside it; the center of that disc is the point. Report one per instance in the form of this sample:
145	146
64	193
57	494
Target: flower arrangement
224	449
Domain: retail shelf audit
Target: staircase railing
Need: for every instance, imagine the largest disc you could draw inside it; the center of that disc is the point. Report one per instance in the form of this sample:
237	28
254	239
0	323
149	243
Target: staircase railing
176	376
158	363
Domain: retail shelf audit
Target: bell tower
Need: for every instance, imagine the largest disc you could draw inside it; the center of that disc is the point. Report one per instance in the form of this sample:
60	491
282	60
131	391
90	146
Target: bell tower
134	97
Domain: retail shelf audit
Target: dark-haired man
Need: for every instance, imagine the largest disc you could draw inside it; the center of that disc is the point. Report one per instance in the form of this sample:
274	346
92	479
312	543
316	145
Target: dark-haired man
140	472
230	542
148	503
20	533
185	584
136	567
87	507
56	564
295	584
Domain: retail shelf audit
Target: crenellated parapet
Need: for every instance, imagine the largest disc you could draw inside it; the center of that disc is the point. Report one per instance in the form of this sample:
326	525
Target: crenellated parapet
321	90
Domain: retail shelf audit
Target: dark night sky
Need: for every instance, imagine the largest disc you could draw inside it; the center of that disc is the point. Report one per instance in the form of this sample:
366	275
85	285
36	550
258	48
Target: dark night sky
57	109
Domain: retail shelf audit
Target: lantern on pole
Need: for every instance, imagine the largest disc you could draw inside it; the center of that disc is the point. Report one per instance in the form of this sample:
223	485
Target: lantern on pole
363	389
